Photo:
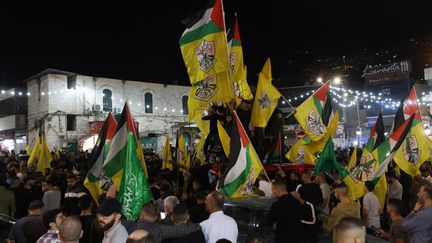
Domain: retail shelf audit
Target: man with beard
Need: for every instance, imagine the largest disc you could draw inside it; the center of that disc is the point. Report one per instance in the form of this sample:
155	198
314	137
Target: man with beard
108	216
73	193
418	223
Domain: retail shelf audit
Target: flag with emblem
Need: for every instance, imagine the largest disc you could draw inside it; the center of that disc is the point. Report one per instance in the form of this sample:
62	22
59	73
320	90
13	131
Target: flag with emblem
300	153
244	164
97	157
204	43
237	71
415	149
266	98
167	155
204	127
35	152
310	113
45	157
205	52
123	166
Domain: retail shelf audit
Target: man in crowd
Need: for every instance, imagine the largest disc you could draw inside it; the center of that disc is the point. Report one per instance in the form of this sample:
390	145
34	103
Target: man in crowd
394	190
371	206
198	212
345	208
7	203
218	225
21	197
325	191
169	203
71	198
180	216
35	212
70	230
285	215
109	214
147	221
51	220
425	172
350	230
395	234
418	223
52	195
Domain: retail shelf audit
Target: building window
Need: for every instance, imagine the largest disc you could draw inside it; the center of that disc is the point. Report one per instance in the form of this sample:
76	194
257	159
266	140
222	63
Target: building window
185	105
107	100
148	101
71	81
71	122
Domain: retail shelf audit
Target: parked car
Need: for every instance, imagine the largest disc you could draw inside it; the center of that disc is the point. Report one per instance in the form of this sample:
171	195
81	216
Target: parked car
251	214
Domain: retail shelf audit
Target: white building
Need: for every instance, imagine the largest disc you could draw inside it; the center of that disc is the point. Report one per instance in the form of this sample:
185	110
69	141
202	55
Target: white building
70	107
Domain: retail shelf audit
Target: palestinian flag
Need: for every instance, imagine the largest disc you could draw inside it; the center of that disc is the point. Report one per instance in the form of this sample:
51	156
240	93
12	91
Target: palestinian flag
237	70
98	155
277	150
245	165
123	165
310	113
415	149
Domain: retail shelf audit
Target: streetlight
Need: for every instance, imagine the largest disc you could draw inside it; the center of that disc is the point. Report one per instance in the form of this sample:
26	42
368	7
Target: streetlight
337	80
319	80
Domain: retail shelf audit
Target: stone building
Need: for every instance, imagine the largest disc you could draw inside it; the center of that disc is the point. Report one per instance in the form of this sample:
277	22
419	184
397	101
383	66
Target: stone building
71	108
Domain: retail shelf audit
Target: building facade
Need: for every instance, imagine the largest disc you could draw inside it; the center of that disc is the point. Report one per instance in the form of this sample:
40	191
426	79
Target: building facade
13	103
70	107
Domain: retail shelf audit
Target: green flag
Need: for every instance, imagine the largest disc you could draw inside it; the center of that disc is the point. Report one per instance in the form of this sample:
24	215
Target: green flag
327	160
134	189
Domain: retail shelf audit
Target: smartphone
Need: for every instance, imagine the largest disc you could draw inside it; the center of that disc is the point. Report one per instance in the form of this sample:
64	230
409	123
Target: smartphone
162	215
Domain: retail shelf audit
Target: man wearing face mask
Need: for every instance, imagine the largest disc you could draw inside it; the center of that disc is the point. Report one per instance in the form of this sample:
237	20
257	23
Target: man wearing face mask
419	222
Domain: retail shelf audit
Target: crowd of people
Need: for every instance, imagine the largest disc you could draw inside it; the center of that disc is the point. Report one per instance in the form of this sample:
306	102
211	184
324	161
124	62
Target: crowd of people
54	206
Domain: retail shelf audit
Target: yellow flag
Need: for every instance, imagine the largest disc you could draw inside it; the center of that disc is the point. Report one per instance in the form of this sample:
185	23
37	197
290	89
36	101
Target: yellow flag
224	138
214	88
57	152
266	99
381	190
266	70
166	154
299	153
244	88
28	150
204	45
35	153
309	114
414	150
204	127
355	187
316	146
45	157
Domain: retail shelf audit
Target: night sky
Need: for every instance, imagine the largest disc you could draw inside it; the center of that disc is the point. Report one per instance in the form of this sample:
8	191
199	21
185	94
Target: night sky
140	41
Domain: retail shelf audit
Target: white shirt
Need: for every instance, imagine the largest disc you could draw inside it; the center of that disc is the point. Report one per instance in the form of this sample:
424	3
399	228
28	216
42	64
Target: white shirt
266	187
325	190
219	226
371	203
395	190
117	234
429	178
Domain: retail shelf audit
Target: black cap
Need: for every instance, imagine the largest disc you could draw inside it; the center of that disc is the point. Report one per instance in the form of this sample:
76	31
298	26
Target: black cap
36	204
109	206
